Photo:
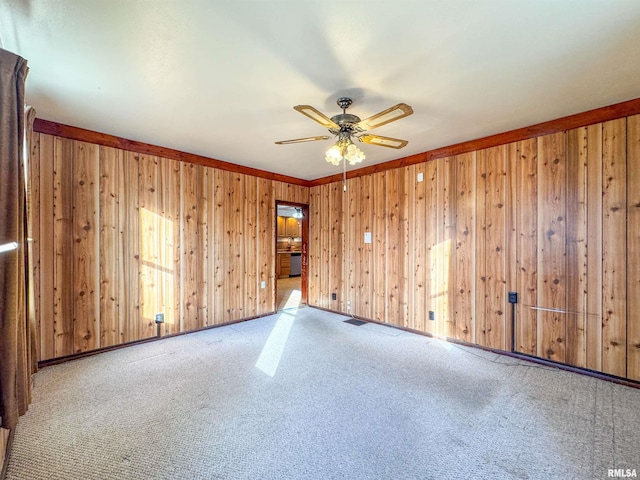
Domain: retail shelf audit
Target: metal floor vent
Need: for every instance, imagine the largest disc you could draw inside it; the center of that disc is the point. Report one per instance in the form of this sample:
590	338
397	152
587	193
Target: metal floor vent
355	322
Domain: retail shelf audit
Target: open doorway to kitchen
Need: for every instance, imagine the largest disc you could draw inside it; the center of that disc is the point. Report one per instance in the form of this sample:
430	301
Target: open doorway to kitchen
292	232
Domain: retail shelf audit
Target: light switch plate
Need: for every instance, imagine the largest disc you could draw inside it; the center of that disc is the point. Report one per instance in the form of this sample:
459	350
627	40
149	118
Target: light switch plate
420	176
367	237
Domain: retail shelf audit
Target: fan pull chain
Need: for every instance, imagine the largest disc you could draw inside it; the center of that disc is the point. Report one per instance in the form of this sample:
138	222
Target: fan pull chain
344	174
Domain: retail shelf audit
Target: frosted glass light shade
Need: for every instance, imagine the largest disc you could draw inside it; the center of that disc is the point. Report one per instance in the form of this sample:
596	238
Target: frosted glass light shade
346	151
334	155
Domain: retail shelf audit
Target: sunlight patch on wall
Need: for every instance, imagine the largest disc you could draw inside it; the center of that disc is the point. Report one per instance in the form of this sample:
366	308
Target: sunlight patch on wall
440	261
157	265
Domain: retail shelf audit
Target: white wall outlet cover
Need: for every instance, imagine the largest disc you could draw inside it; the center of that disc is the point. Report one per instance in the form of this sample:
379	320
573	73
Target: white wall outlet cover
263	284
367	237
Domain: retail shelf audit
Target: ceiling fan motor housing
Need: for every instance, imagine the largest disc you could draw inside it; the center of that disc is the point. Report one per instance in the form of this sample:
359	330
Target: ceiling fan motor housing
344	120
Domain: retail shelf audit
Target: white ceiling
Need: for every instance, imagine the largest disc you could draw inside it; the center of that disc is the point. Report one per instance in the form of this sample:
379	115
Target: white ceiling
286	211
220	78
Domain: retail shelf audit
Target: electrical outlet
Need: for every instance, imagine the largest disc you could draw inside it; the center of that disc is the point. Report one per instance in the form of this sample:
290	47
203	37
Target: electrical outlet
432	315
348	304
513	297
334	296
263	284
159	317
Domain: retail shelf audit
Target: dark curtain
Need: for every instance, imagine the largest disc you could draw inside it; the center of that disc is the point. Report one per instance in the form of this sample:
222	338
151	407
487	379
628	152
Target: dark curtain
15	329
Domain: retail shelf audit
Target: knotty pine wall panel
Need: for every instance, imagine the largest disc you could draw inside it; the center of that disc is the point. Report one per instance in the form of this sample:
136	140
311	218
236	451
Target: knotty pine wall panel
633	247
431	243
412	204
442	251
63	183
189	240
551	213
495	232
171	194
465	243
250	242
337	199
614	247
291	193
380	241
150	261
511	241
111	326
220	269
576	247
33	189
266	251
480	300
552	218
594	247
419	271
43	240
397	251
233	241
324	296
122	236
129	213
202	246
526	338
315	245
364	271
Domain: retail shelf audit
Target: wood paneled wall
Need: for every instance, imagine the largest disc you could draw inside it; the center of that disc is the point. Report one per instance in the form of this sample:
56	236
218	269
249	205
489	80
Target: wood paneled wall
554	218
120	236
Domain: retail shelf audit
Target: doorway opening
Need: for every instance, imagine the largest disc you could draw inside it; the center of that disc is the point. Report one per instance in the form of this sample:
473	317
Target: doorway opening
292	231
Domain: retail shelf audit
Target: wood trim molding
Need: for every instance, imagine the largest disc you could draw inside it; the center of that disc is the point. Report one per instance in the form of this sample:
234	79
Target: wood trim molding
603	114
90	353
75	133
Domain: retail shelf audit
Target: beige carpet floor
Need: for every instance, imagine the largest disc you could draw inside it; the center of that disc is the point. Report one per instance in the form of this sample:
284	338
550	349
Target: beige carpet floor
304	395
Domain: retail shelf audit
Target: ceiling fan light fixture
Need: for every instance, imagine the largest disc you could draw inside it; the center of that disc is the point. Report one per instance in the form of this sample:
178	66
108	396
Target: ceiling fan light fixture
344	150
354	155
334	155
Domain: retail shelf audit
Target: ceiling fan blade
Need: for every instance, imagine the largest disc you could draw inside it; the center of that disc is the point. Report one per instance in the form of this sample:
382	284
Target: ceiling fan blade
316	116
300	140
387	116
383	141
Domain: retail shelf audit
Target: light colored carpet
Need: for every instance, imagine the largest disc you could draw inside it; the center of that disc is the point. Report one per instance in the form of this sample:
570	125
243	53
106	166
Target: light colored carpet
303	395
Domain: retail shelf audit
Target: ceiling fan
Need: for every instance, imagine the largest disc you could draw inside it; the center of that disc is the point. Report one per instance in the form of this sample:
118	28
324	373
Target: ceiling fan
347	126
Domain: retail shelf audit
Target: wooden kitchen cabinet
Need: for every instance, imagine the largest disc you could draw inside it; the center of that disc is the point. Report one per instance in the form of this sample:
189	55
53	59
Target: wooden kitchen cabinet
289	227
282	227
283	267
293	227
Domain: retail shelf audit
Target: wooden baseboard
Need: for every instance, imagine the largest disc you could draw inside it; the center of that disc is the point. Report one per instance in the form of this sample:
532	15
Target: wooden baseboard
520	356
76	356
